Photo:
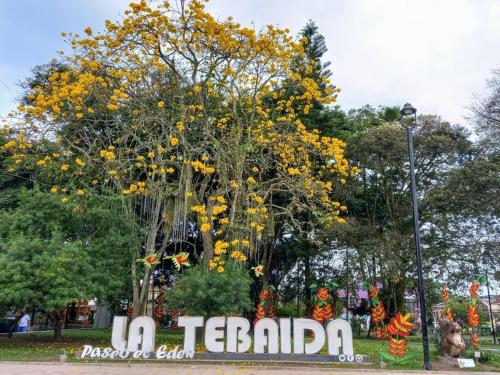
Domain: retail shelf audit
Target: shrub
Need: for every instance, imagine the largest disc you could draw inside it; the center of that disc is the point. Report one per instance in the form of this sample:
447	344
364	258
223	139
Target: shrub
202	292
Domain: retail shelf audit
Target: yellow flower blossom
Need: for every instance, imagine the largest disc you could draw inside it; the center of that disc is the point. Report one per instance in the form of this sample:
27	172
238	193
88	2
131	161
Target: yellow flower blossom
80	162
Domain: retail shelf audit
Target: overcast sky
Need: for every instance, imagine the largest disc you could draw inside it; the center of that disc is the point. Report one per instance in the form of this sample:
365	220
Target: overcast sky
436	54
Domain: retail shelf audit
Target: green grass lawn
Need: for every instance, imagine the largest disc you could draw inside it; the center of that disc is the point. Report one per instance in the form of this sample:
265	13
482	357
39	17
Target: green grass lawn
40	346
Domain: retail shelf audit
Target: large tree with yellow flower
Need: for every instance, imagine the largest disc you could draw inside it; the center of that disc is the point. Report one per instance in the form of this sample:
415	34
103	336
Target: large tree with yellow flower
188	119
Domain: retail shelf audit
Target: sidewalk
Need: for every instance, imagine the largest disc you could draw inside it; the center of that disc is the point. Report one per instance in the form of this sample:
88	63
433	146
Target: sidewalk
10	368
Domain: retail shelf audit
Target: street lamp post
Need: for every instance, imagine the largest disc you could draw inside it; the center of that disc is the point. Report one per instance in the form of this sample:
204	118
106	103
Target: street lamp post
410	113
491	311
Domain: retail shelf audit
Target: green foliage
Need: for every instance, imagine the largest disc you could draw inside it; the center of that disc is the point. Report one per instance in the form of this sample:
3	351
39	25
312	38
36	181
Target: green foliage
198	291
290	309
52	253
48	274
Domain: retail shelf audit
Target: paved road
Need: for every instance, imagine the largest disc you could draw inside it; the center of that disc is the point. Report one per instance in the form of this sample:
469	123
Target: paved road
145	369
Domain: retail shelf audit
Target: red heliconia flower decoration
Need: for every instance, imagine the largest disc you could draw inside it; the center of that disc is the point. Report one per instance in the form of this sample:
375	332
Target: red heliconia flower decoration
397	348
260	312
448	314
444	293
474	339
264	294
271	311
382	333
473	315
317	314
378	313
323	307
473	289
323	294
373	292
266	307
400	325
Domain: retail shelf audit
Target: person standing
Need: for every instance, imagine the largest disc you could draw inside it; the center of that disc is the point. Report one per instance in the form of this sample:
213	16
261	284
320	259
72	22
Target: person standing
23	323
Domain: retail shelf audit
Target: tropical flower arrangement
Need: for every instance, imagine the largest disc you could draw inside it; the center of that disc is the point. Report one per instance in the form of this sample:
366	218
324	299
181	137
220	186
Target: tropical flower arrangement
448	313
399	328
323	303
378	314
473	315
266	307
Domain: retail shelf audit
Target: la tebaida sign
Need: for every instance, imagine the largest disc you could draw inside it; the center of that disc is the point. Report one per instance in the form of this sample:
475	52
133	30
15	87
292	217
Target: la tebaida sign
229	338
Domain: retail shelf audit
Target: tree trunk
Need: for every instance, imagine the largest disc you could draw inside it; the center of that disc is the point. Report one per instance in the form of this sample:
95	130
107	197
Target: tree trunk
370	327
57	320
307	281
141	296
19	314
208	248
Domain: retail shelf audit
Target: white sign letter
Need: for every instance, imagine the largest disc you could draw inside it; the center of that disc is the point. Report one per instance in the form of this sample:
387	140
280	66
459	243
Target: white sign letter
286	335
299	326
336	341
146	339
190	323
118	340
262	340
238	340
214	335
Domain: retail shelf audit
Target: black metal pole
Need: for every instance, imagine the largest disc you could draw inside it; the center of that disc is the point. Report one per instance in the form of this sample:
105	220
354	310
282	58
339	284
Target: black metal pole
491	311
421	296
347	286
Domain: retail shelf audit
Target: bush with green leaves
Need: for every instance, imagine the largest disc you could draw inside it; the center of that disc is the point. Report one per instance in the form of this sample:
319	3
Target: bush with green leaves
202	292
54	253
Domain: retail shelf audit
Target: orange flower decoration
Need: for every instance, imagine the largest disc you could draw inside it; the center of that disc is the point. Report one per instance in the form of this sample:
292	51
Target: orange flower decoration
474	339
378	313
323	294
397	348
373	292
328	312
259	270
448	314
317	314
271	312
264	294
473	315
382	333
473	289
444	293
400	325
261	313
179	260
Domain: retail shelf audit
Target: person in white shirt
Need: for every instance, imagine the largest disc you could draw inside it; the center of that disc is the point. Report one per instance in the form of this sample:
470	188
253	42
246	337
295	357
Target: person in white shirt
23	324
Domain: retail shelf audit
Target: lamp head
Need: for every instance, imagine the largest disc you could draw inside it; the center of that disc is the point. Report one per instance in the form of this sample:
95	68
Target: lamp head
408	110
